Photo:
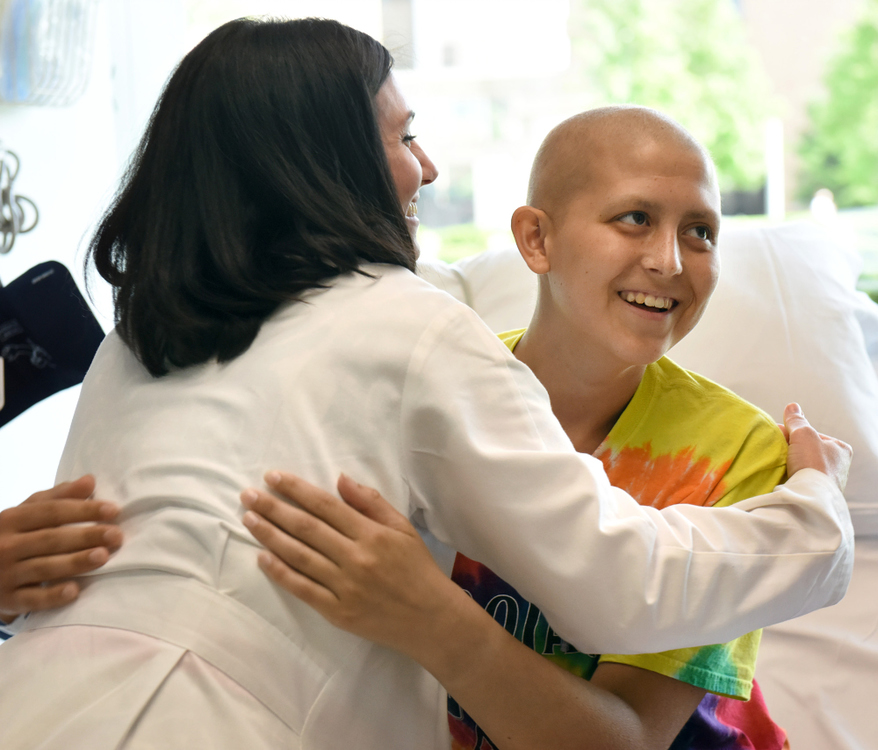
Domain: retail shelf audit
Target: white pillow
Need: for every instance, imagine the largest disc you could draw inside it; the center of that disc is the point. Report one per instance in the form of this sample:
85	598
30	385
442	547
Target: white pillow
785	324
497	284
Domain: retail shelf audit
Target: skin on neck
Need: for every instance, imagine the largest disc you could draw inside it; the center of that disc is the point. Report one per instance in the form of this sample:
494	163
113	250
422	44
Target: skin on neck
589	388
588	396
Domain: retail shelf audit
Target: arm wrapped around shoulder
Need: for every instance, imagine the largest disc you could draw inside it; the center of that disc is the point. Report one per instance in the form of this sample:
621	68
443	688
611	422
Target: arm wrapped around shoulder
492	473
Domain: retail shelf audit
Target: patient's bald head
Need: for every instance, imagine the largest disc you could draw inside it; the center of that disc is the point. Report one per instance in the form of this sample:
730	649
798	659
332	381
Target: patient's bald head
623	206
580	146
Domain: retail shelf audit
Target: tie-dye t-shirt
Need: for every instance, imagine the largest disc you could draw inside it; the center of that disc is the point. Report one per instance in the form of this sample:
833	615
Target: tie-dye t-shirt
681	439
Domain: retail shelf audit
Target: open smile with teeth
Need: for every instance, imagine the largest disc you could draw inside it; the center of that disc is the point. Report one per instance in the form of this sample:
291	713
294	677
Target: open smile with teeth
648	300
412	210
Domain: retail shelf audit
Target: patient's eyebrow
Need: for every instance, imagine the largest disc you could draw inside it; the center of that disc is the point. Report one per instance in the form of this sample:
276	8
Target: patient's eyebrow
706	215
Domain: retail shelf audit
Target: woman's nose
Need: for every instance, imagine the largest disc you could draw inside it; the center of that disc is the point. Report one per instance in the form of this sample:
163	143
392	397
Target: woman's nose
428	168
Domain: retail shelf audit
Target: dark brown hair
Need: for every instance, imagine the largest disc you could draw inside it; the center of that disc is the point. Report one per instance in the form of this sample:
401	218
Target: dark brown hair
261	175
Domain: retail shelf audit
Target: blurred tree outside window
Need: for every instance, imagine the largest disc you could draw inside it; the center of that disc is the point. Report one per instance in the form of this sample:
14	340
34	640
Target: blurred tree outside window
687	58
839	151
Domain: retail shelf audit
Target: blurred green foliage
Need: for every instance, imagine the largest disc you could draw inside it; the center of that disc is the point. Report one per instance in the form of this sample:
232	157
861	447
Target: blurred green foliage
839	151
687	58
460	241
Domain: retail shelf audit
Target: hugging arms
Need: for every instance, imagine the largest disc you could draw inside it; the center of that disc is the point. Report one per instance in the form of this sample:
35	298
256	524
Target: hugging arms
366	570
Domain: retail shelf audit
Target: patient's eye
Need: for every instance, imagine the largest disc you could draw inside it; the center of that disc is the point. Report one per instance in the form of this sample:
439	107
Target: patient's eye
701	232
637	218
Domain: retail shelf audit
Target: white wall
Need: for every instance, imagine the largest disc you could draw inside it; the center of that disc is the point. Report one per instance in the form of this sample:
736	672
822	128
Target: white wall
71	158
68	168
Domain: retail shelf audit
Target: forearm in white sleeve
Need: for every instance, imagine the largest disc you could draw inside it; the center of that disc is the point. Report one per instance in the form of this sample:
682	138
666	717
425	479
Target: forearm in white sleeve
496	477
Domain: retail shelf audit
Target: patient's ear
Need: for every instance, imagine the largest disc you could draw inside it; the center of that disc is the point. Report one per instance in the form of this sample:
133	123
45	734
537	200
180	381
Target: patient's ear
530	227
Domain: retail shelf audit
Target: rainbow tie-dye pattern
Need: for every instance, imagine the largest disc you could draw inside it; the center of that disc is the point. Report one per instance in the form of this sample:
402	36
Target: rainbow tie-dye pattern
682	439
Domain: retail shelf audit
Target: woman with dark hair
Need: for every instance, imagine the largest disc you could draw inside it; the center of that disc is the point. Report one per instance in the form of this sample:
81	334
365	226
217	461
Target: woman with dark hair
261	252
251	177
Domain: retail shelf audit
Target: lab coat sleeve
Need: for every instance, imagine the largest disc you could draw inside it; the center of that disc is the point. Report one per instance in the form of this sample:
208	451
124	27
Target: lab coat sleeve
492	474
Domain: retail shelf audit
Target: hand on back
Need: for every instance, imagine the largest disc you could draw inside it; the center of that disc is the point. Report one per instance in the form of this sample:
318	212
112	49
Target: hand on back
360	563
51	537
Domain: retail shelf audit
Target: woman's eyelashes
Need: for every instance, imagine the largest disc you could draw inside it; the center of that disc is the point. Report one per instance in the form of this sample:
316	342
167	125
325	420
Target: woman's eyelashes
408	138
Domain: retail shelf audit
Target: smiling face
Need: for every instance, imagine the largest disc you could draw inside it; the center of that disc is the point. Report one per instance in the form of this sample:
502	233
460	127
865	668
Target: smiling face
410	166
632	253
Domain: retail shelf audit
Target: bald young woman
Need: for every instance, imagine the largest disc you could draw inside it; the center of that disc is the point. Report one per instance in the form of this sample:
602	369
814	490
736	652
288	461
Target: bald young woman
621	226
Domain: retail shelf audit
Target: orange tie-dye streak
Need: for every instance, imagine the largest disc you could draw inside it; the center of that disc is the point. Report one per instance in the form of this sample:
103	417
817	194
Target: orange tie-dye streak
664	479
